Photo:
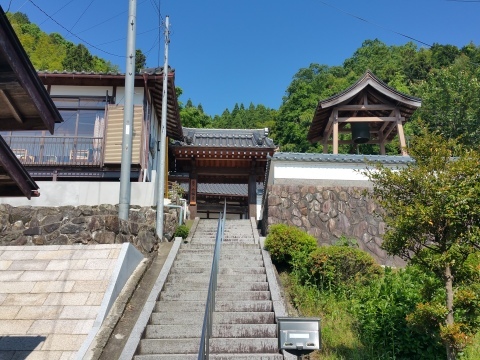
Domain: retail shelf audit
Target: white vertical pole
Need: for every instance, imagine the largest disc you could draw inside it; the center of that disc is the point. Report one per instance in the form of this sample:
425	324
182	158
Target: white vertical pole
161	143
124	198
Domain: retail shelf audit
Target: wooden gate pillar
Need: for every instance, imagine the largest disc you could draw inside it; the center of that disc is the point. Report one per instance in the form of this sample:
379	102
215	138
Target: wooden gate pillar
252	192
193	191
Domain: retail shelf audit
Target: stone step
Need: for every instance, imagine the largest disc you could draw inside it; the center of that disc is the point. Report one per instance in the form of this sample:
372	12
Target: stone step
230	317
174	278
169	346
191	318
252	306
243	345
225	271
180	306
232	235
223	263
217	345
220	306
245	357
229	255
218	331
224	246
221	285
226	240
227	248
212	357
186	295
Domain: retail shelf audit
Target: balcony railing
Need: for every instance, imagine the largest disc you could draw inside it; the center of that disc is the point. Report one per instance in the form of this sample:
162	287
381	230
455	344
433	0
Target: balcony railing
57	150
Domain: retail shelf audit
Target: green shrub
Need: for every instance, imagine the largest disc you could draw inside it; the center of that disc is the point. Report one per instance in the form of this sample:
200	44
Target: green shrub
181	231
335	267
288	243
384	311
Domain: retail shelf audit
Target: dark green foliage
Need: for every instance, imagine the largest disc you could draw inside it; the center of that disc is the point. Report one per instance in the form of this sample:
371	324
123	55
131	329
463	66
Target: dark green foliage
336	267
78	58
181	231
381	311
253	117
194	117
140	60
288	244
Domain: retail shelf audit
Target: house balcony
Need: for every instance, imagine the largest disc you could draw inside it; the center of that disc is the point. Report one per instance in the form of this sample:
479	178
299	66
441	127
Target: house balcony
57	150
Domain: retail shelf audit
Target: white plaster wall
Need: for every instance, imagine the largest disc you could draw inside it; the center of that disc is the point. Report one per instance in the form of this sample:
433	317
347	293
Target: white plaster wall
259	207
76	193
97	91
137	96
57	90
317	171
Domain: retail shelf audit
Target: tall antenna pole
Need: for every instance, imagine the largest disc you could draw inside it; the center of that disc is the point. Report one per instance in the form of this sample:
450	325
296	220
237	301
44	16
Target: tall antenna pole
124	199
162	142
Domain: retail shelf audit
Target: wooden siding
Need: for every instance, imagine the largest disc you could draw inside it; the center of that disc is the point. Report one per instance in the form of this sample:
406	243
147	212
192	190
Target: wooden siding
114	134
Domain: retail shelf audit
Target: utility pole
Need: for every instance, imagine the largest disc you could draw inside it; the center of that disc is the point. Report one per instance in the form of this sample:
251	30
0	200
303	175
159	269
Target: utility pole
125	188
163	137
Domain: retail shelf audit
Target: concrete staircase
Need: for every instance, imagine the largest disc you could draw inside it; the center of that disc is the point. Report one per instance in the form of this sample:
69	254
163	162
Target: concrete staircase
244	322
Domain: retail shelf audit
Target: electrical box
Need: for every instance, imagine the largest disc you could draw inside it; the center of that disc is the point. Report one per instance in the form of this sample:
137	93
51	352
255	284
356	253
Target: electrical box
298	336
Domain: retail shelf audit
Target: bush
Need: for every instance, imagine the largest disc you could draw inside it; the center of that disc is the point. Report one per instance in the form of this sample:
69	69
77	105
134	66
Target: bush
181	231
334	267
288	243
384	311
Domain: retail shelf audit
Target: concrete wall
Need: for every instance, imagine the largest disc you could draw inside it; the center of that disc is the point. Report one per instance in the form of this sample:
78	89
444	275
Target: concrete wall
77	193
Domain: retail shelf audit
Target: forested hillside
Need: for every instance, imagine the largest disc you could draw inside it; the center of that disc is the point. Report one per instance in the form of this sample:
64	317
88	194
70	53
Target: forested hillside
54	52
444	76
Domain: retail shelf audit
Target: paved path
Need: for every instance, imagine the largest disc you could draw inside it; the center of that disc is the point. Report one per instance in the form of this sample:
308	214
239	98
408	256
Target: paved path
50	297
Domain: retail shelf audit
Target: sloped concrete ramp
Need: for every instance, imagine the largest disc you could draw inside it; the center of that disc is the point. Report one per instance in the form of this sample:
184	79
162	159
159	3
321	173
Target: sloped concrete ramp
53	299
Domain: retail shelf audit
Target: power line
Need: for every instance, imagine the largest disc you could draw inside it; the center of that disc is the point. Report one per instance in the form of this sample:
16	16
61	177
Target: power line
75	35
81	15
124	38
56	12
107	20
375	24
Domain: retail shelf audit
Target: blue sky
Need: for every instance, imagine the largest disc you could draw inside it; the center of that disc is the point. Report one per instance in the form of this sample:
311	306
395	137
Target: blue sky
226	52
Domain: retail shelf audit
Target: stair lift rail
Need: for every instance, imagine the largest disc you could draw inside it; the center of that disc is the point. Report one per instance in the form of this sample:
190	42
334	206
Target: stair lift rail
204	350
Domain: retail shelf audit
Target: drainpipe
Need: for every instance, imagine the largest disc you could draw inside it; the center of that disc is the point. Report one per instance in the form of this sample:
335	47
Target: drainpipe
184	209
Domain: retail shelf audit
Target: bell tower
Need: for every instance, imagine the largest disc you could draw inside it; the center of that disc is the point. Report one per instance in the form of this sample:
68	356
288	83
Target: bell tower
371	110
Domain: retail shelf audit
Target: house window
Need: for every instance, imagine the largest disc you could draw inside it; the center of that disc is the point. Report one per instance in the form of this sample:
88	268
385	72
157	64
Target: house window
79	115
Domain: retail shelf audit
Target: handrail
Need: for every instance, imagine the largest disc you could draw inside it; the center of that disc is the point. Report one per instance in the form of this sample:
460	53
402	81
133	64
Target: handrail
204	350
57	150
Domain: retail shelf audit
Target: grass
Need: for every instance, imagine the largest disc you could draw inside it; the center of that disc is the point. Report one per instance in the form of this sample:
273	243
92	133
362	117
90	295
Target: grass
472	352
339	339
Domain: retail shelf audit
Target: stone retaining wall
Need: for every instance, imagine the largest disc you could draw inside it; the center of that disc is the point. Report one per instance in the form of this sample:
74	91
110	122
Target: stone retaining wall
64	225
329	213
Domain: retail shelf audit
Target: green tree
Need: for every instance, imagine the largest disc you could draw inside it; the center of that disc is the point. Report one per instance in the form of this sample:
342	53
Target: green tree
193	116
443	55
432	209
47	55
450	98
78	58
18	18
140	60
